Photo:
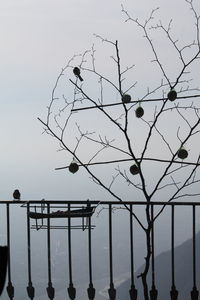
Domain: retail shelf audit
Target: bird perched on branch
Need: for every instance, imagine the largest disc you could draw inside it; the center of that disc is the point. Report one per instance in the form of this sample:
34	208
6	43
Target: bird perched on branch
77	72
16	195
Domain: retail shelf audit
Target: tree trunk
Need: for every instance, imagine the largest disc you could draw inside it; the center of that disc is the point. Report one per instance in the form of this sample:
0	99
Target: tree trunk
148	255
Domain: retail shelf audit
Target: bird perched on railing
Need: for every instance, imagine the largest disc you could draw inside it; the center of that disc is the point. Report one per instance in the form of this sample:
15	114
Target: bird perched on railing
16	195
77	73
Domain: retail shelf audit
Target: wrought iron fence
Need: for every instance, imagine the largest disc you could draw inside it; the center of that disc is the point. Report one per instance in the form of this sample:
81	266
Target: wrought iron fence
44	215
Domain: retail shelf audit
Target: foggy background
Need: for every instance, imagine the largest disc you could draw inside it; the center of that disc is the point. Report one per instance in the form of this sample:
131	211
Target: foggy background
37	38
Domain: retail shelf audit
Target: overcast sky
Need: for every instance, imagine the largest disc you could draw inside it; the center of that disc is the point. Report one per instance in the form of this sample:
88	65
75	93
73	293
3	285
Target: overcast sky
37	37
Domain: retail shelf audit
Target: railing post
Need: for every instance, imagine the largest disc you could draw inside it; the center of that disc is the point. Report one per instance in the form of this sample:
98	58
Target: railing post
132	291
30	289
153	292
111	290
10	287
4	253
173	292
194	292
91	289
71	289
50	289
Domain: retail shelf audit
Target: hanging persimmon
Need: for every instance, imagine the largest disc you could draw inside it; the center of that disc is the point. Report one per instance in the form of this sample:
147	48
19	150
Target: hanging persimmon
126	98
172	95
182	153
73	167
134	169
139	112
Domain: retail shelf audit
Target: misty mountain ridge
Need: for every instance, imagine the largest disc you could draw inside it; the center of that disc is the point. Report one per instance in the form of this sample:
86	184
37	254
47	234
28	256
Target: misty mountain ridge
183	273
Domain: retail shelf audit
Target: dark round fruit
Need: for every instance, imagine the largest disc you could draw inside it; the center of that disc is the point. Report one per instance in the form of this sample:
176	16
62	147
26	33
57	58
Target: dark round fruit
126	98
134	169
172	95
182	153
139	112
73	167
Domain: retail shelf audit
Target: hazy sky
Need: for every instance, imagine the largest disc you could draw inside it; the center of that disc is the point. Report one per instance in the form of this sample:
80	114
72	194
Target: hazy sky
37	37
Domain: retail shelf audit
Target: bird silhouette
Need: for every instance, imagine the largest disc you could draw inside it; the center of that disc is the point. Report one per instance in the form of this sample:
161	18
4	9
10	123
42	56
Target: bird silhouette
16	195
77	72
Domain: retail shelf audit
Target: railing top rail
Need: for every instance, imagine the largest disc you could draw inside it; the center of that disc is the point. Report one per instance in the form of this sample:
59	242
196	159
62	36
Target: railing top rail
99	202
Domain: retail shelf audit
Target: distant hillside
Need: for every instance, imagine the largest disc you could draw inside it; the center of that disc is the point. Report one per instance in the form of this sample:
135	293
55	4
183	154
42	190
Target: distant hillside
183	273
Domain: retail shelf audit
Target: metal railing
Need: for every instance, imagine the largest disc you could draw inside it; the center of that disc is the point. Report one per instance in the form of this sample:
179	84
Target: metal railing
41	215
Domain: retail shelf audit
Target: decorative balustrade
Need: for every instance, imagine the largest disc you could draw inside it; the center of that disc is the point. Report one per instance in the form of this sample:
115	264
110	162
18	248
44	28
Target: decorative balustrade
40	214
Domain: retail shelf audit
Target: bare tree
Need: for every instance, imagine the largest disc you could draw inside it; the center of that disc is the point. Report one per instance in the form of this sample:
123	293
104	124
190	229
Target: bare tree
161	126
